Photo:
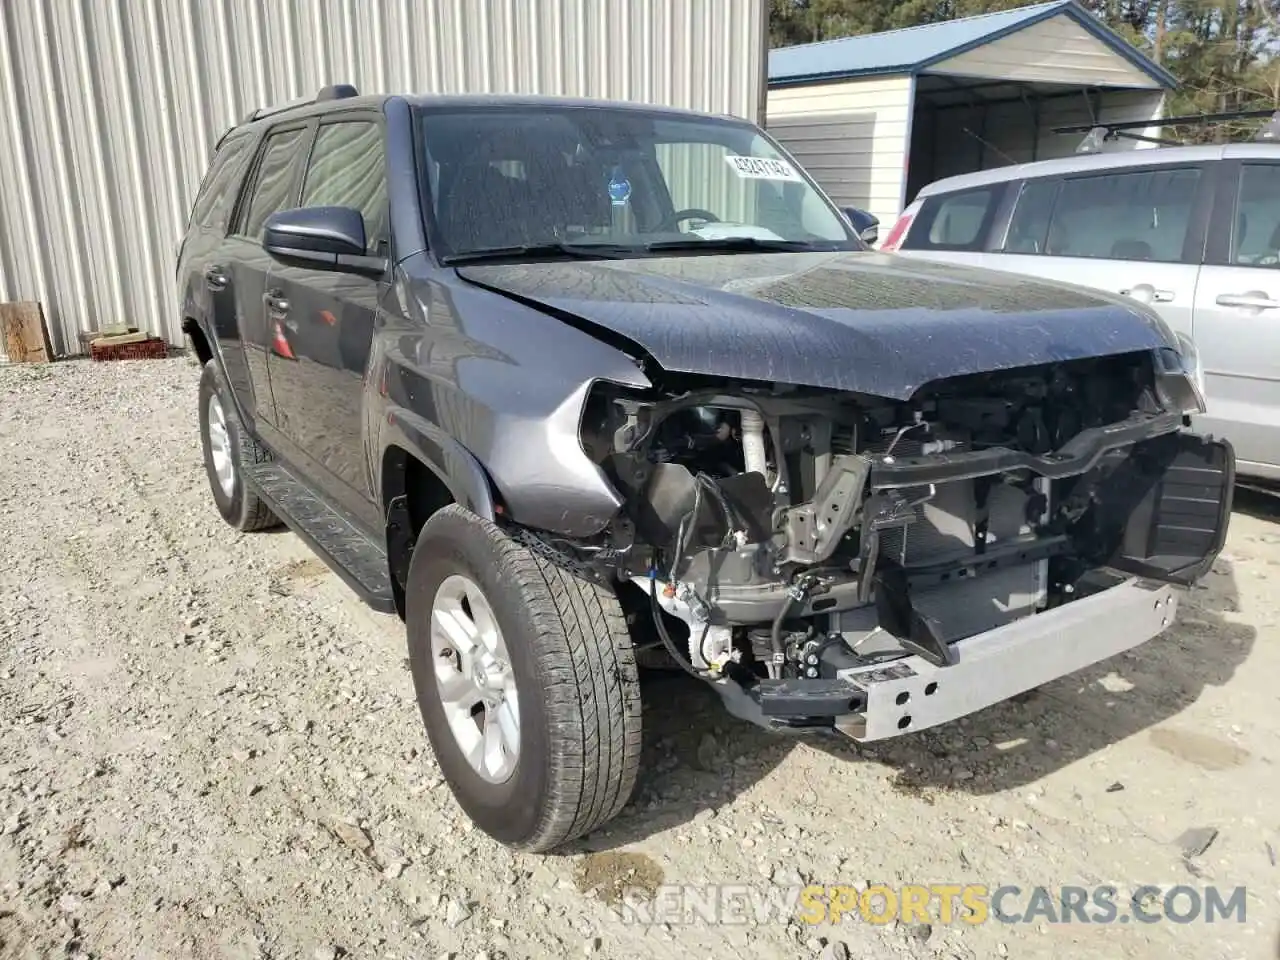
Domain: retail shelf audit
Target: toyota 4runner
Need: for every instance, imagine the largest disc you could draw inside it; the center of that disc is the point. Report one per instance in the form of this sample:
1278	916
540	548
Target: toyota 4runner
568	383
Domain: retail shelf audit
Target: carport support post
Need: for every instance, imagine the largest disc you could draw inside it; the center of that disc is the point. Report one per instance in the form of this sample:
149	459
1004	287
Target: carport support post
982	128
1032	104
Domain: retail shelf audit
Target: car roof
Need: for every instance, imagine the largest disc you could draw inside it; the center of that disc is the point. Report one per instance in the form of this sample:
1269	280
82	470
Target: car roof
1086	162
479	101
483	101
285	113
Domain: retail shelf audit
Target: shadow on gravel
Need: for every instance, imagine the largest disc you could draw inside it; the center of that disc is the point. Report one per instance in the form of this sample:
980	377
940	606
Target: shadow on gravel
697	757
1259	504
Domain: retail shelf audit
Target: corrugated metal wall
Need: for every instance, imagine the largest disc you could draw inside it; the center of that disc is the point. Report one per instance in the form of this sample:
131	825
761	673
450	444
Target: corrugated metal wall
110	107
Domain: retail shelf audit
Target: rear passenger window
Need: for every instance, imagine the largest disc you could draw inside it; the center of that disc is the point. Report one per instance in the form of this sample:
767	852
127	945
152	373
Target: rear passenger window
218	190
957	221
348	169
273	190
1124	216
1256	234
1029	226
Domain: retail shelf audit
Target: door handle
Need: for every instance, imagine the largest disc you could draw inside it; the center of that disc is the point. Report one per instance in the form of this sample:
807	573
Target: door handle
275	303
215	279
1148	294
1254	300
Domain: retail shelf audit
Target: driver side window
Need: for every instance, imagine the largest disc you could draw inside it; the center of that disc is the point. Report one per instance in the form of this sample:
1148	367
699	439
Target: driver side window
348	169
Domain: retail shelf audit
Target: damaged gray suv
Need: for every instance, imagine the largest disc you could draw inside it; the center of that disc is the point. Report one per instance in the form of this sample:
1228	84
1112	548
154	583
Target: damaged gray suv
565	383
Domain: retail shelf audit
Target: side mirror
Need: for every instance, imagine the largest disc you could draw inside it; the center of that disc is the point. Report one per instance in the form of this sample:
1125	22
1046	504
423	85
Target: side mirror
323	238
866	226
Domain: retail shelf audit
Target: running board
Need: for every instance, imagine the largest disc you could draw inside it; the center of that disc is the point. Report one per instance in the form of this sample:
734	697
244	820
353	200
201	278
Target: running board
359	561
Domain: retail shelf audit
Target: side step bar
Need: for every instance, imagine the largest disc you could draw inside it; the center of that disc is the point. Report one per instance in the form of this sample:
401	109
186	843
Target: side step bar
359	561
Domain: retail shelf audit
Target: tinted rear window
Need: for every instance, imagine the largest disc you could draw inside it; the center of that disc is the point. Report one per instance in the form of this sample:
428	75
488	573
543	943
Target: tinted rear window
954	221
221	184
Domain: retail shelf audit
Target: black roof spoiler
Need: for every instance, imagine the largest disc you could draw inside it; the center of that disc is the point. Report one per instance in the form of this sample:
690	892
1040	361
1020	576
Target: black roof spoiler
1098	133
336	91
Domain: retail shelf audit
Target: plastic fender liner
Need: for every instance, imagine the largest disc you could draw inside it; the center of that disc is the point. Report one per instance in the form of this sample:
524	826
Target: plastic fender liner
1177	518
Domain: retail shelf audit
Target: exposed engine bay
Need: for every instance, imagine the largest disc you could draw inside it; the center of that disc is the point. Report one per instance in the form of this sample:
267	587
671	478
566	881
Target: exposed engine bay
785	538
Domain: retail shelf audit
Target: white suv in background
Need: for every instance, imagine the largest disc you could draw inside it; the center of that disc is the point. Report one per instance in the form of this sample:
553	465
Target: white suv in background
1192	231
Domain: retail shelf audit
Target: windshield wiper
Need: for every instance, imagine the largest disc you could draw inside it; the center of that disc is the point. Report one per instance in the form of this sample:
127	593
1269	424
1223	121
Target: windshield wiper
537	251
730	244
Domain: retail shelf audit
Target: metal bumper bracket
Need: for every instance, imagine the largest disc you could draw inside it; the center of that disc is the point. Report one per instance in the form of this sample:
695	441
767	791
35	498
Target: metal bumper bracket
913	694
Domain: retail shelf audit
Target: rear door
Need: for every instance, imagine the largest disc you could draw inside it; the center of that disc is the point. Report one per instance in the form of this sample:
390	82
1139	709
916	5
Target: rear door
273	186
1138	232
203	262
1237	319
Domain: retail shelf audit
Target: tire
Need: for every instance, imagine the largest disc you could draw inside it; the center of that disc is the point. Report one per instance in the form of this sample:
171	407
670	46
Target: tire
239	505
570	661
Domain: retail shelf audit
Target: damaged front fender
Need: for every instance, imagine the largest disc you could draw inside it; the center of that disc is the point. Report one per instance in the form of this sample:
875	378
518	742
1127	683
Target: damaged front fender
550	482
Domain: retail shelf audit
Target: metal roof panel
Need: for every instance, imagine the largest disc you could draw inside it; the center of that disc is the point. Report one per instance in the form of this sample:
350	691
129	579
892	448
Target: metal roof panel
913	48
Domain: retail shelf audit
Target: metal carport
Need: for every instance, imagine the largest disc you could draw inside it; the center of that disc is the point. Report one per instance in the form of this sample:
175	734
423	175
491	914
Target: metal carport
874	118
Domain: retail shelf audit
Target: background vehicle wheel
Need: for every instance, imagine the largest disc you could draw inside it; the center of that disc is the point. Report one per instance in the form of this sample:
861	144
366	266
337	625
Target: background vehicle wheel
227	448
527	684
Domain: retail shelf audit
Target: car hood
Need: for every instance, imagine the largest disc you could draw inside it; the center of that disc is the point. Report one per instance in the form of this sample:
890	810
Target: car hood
859	321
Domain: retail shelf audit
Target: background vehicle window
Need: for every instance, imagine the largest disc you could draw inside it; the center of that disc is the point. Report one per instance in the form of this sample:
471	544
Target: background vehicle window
1029	226
348	169
956	221
218	192
273	191
1124	216
1255	238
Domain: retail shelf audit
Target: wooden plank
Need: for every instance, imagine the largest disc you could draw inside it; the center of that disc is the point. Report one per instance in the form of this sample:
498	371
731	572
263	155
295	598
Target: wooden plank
23	330
135	337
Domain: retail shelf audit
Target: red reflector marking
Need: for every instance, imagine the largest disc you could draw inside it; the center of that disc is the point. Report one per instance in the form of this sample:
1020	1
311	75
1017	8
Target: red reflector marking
895	235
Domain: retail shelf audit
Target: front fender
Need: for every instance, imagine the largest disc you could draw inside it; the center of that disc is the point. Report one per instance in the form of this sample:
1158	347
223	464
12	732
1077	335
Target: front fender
449	460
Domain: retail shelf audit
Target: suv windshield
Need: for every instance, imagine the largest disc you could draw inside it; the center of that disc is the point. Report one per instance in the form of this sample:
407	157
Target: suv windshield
574	181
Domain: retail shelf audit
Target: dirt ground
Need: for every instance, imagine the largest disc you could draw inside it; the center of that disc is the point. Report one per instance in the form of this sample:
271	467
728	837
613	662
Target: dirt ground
210	748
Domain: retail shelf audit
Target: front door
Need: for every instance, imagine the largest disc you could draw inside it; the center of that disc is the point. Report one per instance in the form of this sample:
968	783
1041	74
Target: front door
1237	318
325	320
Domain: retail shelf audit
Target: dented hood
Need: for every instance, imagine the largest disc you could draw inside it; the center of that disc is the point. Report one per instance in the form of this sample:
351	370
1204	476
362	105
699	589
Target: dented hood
864	322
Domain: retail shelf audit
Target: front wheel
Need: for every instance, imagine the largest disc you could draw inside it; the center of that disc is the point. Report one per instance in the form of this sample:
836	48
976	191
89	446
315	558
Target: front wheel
527	683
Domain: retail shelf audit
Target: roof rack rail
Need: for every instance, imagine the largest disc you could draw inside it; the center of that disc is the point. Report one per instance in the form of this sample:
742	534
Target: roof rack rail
335	91
1098	133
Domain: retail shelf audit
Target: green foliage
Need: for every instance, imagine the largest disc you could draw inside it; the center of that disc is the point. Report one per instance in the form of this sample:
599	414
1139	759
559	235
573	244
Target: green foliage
1221	51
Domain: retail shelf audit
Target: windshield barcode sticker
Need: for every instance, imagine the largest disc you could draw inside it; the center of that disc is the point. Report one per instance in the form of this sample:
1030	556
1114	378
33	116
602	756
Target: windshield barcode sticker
762	168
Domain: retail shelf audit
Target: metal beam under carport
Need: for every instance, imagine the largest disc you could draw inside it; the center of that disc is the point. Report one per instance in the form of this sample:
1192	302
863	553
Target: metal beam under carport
961	124
997	91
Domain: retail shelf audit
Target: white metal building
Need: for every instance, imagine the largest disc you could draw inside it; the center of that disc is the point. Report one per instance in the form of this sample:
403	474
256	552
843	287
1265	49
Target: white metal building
110	109
875	118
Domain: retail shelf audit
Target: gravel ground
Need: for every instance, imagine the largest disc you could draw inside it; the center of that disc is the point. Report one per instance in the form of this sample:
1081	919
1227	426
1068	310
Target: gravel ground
210	748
